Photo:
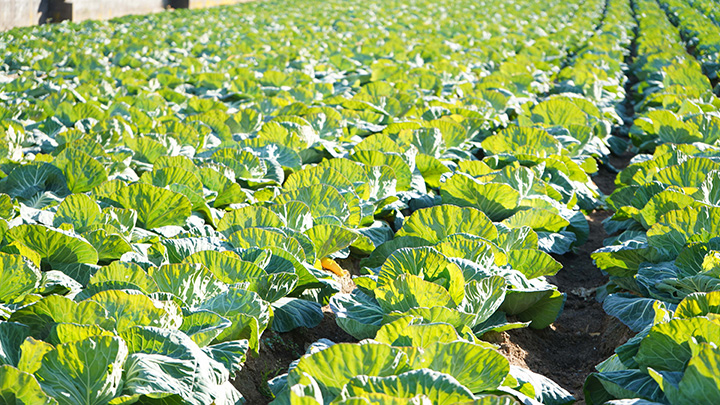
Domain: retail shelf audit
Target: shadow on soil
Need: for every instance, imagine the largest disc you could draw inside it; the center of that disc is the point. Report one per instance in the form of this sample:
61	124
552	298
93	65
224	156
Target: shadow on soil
277	351
584	335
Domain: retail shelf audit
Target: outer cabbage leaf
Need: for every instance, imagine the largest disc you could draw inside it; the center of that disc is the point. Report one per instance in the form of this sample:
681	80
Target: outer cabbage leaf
87	371
18	387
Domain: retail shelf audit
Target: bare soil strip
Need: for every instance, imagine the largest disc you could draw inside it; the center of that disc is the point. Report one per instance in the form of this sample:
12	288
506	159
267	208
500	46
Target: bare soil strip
277	351
583	335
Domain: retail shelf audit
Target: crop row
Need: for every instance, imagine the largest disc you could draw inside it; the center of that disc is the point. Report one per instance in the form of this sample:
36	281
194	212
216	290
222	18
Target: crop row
165	203
660	258
596	72
699	33
165	200
708	9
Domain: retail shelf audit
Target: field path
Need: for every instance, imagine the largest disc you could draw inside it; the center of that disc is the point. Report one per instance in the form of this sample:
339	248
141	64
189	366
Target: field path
584	335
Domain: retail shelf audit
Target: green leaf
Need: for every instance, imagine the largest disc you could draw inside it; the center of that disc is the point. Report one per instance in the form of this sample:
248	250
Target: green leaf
437	223
538	220
121	219
325	201
192	283
129	310
333	367
710	189
660	204
7	208
523	294
545	311
12	335
671	128
403	174
558	112
291	313
476	367
203	326
17	387
408	333
473	248
18	278
125	272
440	388
483	298
373	236
231	354
71	332
166	176
32	353
163	361
429	141
426	263
367	398
56	248
80	211
546	390
227	266
383	251
635	312
312	175
431	168
677	228
177	249
84	372
295	214
42	315
602	387
516	238
621	260
108	246
381	185
248	217
156	207
272	287
240	307
265	238
533	263
30	182
699	304
690	173
408	291
700	382
497	201
358	314
83	173
246	165
522	140
329	239
666	347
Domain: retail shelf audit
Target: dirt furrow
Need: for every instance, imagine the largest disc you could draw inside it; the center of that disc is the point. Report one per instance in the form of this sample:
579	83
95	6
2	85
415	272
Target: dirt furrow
583	335
277	351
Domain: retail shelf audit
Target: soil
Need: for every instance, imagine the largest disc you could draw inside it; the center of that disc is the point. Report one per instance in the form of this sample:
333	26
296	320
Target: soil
277	351
605	178
584	335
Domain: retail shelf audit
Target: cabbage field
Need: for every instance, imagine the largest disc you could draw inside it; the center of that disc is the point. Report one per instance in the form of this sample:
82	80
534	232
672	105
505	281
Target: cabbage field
364	202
